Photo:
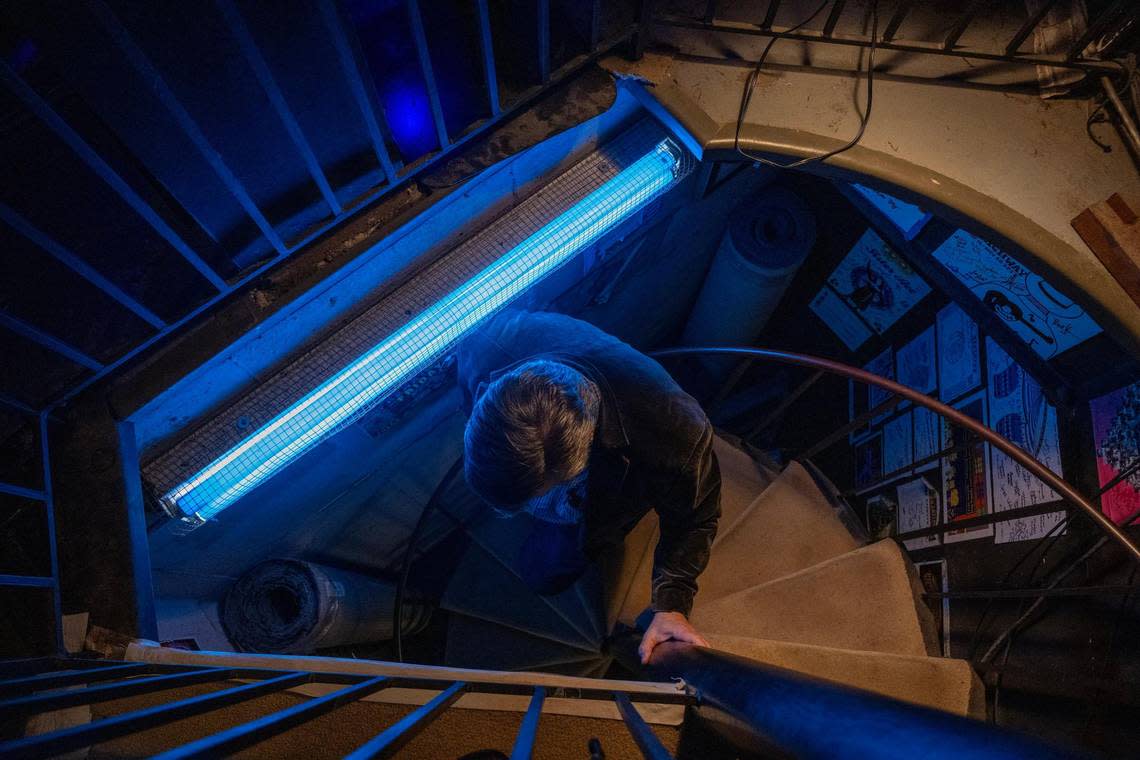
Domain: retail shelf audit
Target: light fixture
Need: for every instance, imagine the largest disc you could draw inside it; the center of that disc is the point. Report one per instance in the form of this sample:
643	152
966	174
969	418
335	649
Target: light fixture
356	388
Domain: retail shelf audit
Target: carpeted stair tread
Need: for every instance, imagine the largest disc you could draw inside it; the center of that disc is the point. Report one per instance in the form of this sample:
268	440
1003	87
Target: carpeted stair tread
475	643
742	479
789	527
482	588
637	584
944	684
860	600
579	606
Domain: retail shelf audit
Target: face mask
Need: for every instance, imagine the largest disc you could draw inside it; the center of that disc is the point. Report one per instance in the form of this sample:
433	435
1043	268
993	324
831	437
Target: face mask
562	504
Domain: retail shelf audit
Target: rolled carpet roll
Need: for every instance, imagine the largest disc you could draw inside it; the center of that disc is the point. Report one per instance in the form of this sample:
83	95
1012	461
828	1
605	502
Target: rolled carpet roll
285	605
767	239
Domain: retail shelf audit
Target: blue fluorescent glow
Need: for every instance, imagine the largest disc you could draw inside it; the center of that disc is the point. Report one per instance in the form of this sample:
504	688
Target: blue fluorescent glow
422	340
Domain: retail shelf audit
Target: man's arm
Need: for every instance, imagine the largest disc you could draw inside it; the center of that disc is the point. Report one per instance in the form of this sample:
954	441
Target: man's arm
689	512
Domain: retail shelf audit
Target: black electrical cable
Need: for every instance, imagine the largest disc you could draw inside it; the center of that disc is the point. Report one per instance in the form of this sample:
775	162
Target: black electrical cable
750	86
410	552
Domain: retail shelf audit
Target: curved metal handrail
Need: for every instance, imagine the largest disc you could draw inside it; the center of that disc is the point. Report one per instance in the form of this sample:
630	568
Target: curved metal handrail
1030	463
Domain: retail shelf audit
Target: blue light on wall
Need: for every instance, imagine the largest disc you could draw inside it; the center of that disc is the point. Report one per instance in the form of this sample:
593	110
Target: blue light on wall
352	391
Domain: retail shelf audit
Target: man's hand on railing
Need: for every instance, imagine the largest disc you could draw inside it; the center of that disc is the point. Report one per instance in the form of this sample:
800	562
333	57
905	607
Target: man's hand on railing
668	626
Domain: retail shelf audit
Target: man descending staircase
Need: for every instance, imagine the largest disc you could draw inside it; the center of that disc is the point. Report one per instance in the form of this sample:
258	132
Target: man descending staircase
789	583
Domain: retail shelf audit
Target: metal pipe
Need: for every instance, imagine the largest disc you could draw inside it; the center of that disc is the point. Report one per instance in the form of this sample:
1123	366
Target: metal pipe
647	741
962	24
1030	463
49	342
487	48
808	717
424	56
1131	133
528	729
1028	27
403	730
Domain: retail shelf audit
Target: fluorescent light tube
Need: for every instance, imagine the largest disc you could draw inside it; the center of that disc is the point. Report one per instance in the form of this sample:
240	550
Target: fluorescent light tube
364	382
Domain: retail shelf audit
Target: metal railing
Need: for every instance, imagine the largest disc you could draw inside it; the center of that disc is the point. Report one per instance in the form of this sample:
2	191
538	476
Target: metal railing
788	714
40	686
43	496
1113	20
360	83
900	392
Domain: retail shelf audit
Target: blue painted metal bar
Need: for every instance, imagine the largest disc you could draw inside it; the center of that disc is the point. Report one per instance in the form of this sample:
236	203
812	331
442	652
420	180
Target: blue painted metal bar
47	341
27	493
87	734
26	581
528	729
400	732
424	55
60	679
16	404
16	221
543	36
355	80
487	47
647	741
232	740
146	618
57	700
151	75
53	537
277	99
87	154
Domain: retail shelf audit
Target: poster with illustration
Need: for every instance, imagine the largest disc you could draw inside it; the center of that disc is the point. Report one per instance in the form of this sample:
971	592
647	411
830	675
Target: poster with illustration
1044	318
839	318
1116	433
869	461
934	580
927	433
919	506
909	218
898	451
877	283
916	363
1019	412
959	353
965	476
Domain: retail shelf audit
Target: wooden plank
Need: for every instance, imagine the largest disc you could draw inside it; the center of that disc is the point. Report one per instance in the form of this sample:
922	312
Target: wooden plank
1111	229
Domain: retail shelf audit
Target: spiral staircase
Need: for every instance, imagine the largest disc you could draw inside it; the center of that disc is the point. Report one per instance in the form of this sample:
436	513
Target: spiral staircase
792	582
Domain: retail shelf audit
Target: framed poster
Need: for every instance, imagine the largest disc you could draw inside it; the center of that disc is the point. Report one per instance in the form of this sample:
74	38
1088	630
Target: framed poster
1044	318
965	474
959	353
869	461
898	444
1116	434
933	577
839	318
1019	412
917	363
927	433
909	218
877	283
919	506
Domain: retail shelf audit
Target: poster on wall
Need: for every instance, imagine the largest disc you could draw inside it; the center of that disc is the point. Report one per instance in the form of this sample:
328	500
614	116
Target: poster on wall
907	217
883	365
1044	318
934	580
927	433
877	283
898	451
869	461
1019	412
839	318
959	353
965	476
916	363
1116	434
919	506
